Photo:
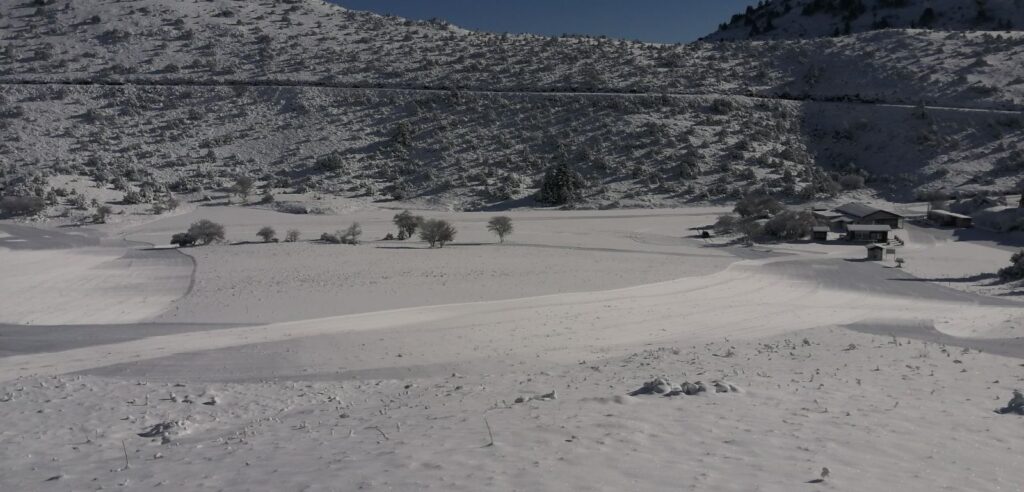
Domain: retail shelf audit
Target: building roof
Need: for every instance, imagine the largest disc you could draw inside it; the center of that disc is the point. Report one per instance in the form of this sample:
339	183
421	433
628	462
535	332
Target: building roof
856	210
861	210
828	214
868	228
874	246
820	228
947	213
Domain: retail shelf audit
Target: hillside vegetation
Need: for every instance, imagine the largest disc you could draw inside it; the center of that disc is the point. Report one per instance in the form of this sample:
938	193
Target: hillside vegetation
790	19
149	96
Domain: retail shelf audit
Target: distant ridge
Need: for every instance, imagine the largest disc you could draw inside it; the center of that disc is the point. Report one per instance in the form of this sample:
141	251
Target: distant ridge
796	19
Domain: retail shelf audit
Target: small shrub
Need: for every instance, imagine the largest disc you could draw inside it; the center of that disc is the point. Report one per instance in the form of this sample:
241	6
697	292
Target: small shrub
100	217
561	185
437	232
851	182
723	106
133	197
79	202
1016	269
162	205
501	226
351	235
183	239
726	224
206	232
508	187
348	236
750	230
267	198
292	236
243	187
330	163
267	234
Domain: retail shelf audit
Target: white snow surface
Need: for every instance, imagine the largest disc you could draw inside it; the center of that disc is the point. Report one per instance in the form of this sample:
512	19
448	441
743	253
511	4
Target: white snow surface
409	397
389	366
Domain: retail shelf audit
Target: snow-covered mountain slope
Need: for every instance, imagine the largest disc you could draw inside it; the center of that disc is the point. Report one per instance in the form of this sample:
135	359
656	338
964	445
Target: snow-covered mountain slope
475	150
792	19
308	41
305	95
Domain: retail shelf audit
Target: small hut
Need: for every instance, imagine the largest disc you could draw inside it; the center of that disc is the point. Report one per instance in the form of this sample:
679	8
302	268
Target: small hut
820	233
876	252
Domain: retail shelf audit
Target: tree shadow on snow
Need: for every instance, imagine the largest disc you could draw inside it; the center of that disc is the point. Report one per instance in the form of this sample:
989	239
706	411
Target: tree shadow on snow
968	279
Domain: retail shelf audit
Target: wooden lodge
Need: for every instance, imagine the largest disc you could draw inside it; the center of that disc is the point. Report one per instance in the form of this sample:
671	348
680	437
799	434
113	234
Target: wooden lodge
868	233
946	218
861	214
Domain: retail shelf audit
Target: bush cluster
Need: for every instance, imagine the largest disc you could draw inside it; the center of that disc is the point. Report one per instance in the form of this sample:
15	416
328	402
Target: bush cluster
790	225
348	236
1016	269
437	232
763	216
203	232
407	224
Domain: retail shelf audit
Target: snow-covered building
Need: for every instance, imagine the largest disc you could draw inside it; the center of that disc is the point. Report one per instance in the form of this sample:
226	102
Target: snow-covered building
862	214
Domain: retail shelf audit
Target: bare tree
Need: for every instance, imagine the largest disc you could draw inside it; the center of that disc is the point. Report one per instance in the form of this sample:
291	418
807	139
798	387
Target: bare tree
502	226
351	235
243	187
206	231
437	232
267	233
407	224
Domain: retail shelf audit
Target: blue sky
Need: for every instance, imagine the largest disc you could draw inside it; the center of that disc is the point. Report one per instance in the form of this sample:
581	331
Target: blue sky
665	21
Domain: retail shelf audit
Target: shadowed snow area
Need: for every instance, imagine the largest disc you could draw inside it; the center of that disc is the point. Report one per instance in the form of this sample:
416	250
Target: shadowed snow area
1008	347
56	278
33	339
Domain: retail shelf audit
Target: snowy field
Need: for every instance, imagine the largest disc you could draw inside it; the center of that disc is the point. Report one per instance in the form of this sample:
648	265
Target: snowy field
388	366
605	349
